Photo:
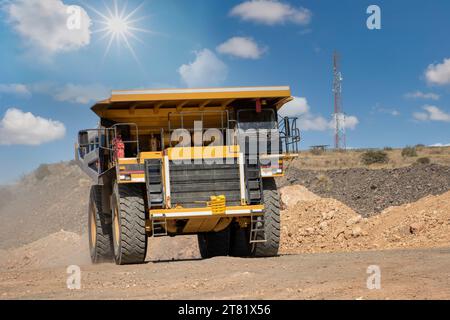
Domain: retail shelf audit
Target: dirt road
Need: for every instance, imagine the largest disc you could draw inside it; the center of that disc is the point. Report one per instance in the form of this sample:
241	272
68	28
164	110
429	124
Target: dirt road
405	274
324	247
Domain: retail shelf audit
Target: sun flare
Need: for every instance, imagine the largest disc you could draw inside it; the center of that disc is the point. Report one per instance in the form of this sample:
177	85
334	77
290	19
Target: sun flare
120	25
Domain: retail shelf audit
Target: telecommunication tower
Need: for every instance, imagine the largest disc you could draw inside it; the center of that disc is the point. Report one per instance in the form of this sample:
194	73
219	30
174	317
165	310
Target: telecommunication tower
338	115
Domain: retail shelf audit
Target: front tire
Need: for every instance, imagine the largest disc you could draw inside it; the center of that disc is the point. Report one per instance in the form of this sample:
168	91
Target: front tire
271	221
100	230
129	234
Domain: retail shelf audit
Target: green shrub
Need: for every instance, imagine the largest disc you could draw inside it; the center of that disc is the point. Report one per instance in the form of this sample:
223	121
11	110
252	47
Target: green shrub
423	160
374	156
409	152
387	149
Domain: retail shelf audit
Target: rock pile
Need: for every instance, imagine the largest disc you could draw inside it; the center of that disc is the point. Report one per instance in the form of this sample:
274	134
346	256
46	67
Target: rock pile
371	191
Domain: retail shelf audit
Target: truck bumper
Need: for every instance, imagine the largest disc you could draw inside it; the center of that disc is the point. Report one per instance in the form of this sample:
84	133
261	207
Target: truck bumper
187	213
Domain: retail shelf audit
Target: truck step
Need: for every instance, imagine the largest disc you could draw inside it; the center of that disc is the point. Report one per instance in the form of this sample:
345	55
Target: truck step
257	229
159	228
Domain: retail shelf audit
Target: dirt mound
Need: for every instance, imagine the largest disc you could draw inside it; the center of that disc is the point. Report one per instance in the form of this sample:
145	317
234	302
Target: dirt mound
43	203
56	250
291	195
54	197
371	191
64	248
327	225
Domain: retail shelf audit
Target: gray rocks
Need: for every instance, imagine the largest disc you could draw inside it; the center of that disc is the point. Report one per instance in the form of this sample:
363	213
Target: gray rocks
369	192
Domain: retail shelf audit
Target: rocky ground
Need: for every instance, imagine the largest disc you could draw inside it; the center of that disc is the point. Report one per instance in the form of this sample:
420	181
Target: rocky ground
317	224
329	238
371	191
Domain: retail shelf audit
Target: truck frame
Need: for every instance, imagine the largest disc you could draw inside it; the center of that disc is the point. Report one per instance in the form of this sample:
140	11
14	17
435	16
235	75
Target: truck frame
172	162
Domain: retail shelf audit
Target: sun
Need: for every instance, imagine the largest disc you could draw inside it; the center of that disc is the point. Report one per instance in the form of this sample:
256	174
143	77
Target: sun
119	25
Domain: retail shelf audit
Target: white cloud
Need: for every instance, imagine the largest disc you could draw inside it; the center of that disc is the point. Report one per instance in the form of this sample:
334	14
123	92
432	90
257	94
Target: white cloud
206	70
15	88
439	73
43	25
422	95
392	112
298	106
82	94
241	47
440	145
432	113
350	122
24	128
307	121
420	116
271	12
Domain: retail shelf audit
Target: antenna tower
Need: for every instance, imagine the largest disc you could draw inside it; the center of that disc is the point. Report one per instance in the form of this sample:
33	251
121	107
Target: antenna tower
338	115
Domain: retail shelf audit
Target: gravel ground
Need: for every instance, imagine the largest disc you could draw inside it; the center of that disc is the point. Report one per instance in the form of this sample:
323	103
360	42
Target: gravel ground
369	192
405	274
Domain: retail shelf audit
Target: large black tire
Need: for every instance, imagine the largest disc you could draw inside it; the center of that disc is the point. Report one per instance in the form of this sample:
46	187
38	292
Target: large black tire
100	229
271	221
240	242
214	244
129	234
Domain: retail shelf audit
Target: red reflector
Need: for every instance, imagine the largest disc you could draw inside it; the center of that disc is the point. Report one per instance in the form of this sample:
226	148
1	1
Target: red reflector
258	105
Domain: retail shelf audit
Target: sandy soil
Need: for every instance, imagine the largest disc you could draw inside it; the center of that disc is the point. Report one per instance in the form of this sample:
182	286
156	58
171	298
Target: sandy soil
326	248
327	225
414	274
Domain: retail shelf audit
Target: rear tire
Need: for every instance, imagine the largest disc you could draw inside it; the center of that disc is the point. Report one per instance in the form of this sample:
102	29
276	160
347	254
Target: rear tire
271	221
100	228
240	242
129	234
214	244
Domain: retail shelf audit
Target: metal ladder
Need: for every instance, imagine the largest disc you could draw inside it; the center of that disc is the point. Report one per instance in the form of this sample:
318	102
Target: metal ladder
153	169
257	227
159	228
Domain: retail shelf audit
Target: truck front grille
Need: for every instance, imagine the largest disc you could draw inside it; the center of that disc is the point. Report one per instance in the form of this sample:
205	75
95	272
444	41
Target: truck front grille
192	185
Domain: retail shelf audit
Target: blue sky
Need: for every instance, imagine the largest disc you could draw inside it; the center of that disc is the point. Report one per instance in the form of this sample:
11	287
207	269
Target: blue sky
396	88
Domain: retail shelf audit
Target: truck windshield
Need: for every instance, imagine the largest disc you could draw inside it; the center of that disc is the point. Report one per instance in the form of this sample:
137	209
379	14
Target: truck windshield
250	119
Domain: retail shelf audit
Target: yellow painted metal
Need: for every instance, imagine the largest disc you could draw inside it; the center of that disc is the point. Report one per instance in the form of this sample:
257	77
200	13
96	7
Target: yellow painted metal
222	225
207	94
171	226
149	108
217	204
207	209
150	155
208	224
193	225
125	161
216	152
142	157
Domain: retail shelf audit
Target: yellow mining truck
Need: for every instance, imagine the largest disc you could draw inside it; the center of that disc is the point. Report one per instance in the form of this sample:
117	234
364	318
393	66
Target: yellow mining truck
174	162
